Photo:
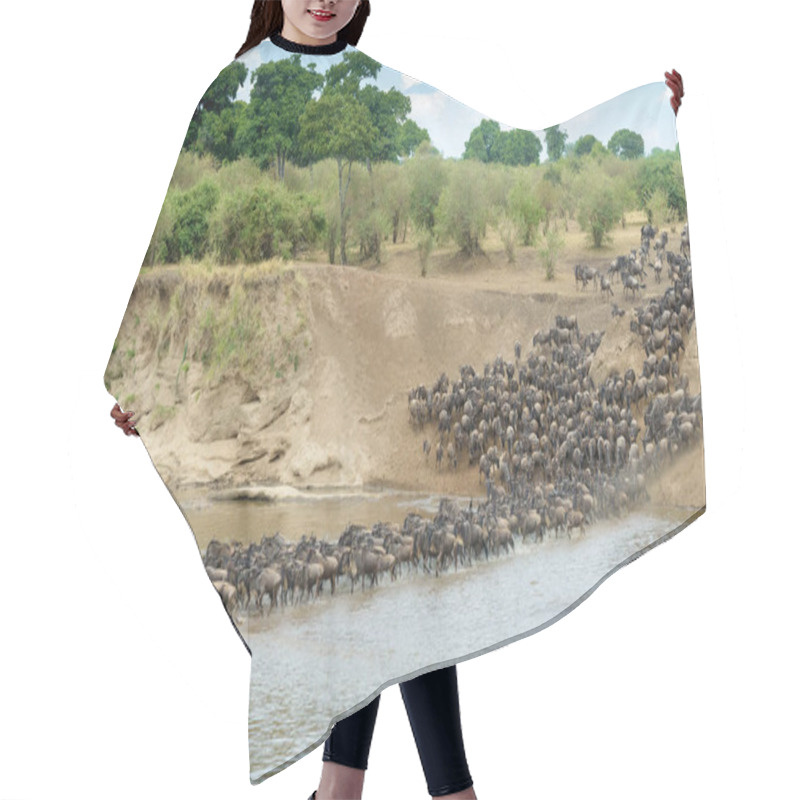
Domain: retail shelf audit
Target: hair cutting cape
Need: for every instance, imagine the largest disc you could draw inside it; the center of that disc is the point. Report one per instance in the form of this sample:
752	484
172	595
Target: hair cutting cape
419	382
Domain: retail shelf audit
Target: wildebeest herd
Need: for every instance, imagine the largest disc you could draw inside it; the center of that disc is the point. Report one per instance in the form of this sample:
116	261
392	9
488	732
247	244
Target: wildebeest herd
630	268
554	451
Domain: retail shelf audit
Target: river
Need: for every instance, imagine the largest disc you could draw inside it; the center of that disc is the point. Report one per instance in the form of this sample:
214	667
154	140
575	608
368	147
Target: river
327	658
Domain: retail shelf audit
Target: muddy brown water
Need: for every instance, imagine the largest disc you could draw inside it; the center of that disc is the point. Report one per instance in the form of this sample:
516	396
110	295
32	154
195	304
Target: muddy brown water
319	661
321	512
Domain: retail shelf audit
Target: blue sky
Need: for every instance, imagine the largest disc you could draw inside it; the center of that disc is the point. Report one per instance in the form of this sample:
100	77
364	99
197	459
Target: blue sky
645	109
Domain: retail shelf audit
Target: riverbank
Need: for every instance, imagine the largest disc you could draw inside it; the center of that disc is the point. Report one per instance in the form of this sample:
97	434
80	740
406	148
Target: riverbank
307	384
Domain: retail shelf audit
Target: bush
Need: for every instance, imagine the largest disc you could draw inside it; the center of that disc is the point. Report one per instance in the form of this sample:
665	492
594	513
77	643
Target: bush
549	252
182	227
192	211
524	207
265	221
424	249
600	204
508	228
371	228
662	170
463	211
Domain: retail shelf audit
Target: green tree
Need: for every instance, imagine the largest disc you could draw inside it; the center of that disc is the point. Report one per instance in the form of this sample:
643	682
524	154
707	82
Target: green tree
626	144
658	210
585	144
517	147
480	144
556	141
524	208
372	229
182	229
549	252
549	194
463	210
346	75
425	243
338	126
392	186
281	90
509	229
427	178
218	97
600	204
217	134
677	196
662	171
256	223
411	137
388	110
599	152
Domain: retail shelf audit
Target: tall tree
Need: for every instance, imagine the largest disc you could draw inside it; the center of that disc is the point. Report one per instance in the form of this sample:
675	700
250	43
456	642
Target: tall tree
463	210
281	90
387	110
524	207
517	147
584	145
481	142
428	179
217	98
347	74
338	126
626	144
411	137
600	203
556	140
218	133
661	170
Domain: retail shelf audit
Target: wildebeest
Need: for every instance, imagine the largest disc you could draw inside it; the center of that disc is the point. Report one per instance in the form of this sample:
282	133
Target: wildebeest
228	595
685	240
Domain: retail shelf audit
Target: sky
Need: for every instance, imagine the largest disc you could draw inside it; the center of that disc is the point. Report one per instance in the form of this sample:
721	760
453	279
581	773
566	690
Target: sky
645	109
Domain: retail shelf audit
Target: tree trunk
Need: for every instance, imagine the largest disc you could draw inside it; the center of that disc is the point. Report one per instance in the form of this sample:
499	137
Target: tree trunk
342	197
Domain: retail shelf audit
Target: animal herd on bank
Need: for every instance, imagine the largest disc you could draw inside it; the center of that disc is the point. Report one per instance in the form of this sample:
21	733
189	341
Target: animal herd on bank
554	451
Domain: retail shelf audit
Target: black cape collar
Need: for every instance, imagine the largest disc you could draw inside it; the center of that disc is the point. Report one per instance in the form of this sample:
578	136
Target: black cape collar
310	49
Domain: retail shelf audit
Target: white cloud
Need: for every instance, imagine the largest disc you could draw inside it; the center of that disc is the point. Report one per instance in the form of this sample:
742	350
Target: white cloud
406	82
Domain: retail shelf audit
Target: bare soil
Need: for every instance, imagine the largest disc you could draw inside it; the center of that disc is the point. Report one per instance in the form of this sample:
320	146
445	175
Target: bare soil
323	400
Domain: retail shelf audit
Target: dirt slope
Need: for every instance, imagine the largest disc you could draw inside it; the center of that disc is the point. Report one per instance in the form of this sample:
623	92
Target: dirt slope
318	393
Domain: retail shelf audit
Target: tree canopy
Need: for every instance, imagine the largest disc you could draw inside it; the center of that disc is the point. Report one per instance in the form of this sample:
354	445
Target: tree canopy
585	144
218	99
556	140
626	144
487	143
268	128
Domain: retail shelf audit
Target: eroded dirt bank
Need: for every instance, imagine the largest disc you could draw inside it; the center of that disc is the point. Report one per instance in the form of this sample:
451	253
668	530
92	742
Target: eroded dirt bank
300	376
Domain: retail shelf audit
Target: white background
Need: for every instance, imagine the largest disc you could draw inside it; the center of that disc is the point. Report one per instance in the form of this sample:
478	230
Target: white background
119	675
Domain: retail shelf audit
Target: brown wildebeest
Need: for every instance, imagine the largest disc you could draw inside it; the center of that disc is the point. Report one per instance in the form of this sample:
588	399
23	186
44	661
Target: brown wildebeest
227	592
575	520
267	581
